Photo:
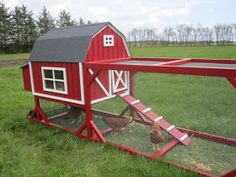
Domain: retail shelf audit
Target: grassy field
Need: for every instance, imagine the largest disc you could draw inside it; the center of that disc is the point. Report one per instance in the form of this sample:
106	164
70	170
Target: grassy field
28	149
226	52
14	56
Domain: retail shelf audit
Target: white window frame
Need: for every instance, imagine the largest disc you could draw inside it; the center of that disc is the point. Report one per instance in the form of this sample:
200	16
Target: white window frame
54	80
107	42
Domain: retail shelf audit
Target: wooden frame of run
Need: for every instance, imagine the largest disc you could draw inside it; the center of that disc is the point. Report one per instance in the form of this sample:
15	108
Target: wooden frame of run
165	66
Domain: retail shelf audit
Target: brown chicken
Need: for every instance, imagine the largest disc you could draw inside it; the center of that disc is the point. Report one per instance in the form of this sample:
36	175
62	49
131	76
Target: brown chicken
117	123
156	134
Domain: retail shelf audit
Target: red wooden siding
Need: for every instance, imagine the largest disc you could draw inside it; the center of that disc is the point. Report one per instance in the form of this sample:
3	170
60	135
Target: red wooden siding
26	78
96	91
73	79
98	52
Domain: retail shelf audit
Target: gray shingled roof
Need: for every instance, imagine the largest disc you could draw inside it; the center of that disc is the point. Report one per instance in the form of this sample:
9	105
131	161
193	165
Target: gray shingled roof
68	44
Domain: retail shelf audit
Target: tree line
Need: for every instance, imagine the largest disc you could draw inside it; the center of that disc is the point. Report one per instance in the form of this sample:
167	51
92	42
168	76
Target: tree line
19	30
183	34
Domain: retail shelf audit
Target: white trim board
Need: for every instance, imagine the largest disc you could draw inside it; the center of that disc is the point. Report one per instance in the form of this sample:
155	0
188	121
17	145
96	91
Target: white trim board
102	99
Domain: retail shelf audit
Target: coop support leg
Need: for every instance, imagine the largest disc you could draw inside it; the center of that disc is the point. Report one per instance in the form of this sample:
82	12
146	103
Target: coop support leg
232	80
88	108
37	105
97	132
39	112
91	127
131	87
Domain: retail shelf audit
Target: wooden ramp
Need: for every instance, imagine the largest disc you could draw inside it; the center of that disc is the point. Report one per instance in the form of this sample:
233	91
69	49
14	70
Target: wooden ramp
148	113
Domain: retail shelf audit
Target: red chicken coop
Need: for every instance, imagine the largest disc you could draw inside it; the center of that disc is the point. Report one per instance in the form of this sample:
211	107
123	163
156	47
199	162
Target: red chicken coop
82	79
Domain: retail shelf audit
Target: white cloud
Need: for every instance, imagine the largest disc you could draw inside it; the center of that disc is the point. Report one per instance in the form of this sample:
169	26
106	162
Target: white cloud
99	13
122	13
154	18
173	12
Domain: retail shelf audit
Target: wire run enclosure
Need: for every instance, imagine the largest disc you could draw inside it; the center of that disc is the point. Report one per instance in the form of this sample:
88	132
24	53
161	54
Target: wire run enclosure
130	123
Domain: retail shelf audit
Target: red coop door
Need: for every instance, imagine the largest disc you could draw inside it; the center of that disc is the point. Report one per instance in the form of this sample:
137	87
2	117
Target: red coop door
120	80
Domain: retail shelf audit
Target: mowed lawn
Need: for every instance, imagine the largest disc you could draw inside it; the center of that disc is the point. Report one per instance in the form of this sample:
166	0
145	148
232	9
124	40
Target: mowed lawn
217	52
28	149
14	56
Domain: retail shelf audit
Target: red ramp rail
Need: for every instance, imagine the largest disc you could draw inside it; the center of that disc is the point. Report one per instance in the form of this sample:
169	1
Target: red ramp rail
167	127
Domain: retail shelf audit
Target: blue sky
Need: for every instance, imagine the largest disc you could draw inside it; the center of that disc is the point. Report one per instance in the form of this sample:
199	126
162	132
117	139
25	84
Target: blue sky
126	14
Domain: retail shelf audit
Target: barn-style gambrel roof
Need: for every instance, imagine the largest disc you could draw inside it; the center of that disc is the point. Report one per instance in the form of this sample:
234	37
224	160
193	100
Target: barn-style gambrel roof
68	44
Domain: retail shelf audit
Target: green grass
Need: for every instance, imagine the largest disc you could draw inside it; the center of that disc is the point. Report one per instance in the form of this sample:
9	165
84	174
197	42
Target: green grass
226	52
14	56
28	149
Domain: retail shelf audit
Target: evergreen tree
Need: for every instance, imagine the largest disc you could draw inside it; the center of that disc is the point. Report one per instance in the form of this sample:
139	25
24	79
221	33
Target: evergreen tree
81	21
5	26
24	29
45	21
65	20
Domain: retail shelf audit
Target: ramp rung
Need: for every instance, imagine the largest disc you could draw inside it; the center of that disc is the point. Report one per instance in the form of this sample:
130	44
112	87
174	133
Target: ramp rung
158	118
183	137
124	94
135	102
146	110
170	128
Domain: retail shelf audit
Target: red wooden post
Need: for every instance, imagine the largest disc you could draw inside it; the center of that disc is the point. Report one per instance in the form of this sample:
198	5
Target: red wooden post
131	87
88	106
36	101
132	74
37	105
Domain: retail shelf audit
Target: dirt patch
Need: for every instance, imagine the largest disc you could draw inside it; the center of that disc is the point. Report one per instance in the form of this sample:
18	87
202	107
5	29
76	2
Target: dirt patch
15	62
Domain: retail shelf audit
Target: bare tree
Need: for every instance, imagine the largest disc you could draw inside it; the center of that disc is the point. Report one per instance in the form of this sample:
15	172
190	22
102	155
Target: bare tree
222	34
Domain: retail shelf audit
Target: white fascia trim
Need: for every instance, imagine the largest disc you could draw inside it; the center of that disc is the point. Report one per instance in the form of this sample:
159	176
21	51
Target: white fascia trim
102	99
59	98
31	77
81	73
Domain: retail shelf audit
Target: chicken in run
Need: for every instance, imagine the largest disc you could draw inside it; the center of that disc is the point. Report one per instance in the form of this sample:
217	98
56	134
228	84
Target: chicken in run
117	123
74	113
156	135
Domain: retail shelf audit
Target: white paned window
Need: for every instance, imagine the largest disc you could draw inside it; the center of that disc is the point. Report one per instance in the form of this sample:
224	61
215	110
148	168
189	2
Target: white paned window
54	79
108	40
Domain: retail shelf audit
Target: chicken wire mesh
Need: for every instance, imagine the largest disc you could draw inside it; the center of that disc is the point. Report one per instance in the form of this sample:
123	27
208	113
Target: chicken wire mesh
180	104
128	128
63	115
183	104
204	155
